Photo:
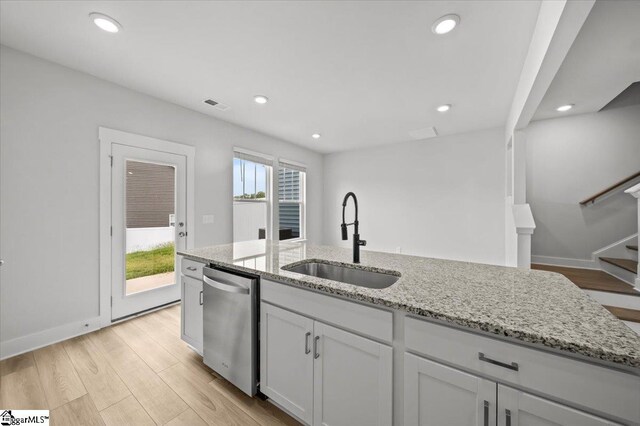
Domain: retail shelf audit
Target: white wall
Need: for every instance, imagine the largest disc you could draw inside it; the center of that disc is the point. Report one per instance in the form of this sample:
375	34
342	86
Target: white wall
441	197
49	183
248	218
570	159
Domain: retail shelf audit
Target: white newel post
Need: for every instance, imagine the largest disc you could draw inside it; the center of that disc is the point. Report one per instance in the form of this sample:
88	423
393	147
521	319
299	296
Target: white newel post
525	225
635	191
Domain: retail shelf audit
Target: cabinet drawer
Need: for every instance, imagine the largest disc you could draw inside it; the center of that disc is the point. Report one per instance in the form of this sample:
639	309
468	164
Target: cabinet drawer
191	268
364	320
586	385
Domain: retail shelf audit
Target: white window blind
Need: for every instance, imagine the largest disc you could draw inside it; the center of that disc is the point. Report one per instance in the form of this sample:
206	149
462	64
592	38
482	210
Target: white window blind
256	157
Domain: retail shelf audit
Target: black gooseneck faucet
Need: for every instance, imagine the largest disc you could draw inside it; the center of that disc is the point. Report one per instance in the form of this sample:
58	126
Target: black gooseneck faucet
357	242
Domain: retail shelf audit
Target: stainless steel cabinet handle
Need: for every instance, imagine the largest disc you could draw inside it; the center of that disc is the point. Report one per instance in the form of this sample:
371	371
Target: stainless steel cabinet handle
486	413
513	366
201	298
507	414
307	349
316	354
192	268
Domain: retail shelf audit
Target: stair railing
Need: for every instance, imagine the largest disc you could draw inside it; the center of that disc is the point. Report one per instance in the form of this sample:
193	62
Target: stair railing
615	186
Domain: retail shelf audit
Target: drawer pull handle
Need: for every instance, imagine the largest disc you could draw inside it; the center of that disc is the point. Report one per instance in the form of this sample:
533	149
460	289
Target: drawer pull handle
307	349
316	354
513	366
486	413
201	298
192	268
507	414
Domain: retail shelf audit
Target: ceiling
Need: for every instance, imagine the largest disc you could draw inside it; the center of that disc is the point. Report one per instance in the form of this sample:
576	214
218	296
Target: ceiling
359	73
603	61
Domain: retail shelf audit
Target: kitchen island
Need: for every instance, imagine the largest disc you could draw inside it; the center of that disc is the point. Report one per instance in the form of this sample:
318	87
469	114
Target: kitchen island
450	318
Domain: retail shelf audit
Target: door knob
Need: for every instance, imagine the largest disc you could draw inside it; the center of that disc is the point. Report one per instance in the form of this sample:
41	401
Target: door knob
182	234
180	224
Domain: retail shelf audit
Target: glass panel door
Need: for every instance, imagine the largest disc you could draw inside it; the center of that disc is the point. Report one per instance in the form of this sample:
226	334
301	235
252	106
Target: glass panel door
148	226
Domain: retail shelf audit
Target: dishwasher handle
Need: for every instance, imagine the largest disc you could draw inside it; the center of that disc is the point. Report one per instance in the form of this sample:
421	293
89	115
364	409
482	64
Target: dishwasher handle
229	288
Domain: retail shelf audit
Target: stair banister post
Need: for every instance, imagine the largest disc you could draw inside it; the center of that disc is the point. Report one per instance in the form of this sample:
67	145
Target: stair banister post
635	191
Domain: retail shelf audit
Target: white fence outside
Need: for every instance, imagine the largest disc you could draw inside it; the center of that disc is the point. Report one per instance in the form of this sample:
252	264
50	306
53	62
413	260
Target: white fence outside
248	217
139	239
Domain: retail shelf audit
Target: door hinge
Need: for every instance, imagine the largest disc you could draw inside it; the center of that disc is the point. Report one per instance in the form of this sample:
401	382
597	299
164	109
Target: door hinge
111	231
112	301
111	159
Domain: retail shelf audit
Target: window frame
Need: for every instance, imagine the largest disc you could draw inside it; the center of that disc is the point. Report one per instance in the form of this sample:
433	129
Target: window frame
301	202
267	161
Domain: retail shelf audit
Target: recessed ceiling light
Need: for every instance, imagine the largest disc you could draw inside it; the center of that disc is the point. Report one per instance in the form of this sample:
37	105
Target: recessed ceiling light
564	108
444	108
445	24
105	22
260	99
316	135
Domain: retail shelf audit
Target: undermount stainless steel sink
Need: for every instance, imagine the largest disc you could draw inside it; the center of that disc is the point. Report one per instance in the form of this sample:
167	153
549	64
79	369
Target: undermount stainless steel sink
345	274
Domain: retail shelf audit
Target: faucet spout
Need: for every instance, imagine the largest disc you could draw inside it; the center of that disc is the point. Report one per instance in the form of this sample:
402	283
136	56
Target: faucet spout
357	242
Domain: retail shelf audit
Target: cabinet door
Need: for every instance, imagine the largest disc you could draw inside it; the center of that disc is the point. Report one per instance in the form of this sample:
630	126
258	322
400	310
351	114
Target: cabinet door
517	408
352	379
192	312
286	360
436	395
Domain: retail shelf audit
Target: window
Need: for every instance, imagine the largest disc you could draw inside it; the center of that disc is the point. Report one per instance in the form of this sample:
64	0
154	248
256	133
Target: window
291	201
251	199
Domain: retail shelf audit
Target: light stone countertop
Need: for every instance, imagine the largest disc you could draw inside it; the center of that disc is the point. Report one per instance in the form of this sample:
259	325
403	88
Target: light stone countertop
537	307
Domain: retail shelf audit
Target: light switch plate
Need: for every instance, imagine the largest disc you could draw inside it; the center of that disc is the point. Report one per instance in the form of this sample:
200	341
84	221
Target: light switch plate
207	218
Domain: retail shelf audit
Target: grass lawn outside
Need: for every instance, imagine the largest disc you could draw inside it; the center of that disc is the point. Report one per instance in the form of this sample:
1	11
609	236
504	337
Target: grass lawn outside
150	262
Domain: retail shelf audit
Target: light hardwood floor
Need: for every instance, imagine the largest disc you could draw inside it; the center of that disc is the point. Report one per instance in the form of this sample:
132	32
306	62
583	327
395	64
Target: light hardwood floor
138	372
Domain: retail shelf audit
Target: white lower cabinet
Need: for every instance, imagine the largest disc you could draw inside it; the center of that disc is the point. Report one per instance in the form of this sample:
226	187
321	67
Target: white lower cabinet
191	329
322	374
517	408
286	360
436	395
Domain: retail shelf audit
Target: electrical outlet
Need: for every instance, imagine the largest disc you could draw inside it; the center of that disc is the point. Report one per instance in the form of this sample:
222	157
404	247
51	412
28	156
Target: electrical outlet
207	219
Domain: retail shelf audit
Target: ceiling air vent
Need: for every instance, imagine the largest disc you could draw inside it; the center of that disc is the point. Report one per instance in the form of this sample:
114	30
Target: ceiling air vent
217	105
426	133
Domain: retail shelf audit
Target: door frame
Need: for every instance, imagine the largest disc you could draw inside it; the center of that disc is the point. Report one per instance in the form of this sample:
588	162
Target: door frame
107	137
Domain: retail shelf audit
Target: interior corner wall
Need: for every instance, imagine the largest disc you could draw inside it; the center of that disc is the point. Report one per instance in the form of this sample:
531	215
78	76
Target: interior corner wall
570	159
441	197
49	182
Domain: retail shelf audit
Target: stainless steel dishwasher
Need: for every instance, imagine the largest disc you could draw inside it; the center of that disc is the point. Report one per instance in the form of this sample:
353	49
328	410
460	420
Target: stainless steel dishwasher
230	344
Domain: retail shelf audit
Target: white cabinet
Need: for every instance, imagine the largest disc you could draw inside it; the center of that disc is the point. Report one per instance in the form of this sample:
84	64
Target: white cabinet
191	290
517	408
321	374
352	380
286	360
192	312
436	395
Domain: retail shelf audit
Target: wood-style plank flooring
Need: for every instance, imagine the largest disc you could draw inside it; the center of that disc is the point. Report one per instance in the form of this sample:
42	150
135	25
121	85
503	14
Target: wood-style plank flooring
591	279
138	372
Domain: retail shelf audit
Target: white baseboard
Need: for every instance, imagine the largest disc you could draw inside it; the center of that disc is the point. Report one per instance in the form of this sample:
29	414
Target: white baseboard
47	337
564	261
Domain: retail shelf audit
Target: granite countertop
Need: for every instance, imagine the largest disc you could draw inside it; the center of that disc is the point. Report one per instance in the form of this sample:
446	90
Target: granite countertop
537	307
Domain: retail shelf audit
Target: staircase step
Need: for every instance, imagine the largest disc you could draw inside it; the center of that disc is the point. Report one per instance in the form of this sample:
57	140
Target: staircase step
591	279
625	314
627	264
633	247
